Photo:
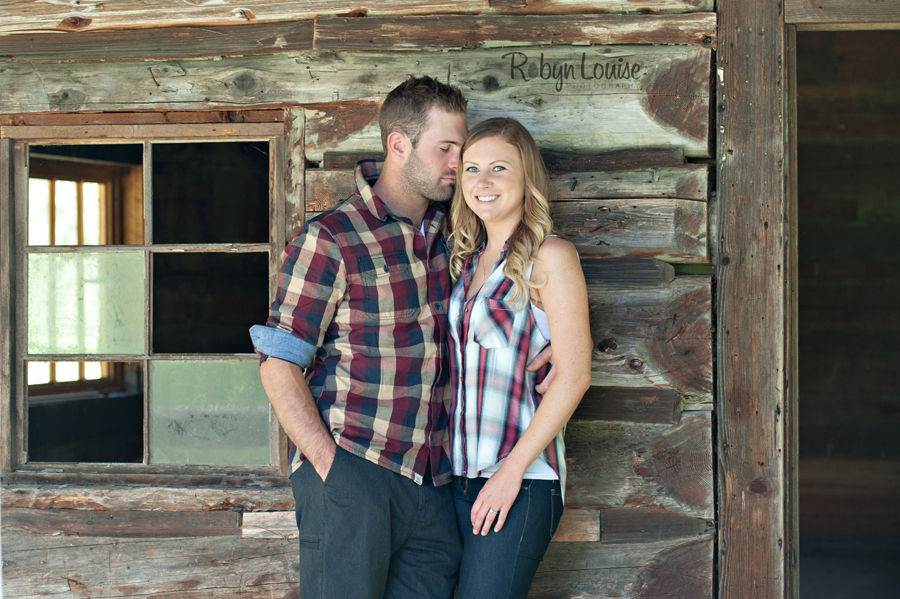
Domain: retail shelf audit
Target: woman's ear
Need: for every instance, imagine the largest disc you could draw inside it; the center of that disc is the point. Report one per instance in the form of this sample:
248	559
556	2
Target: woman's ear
399	146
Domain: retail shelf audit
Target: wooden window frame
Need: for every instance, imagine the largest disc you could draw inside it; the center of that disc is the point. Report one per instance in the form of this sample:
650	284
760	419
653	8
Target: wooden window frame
269	126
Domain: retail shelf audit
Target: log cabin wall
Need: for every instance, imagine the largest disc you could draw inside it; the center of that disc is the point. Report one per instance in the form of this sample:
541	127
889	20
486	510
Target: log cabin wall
849	158
620	103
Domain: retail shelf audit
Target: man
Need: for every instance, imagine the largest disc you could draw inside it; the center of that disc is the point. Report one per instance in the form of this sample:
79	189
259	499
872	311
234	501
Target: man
362	301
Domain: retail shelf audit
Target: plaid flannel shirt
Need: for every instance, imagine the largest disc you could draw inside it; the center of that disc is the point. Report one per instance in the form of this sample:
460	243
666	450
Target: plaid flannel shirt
494	399
362	302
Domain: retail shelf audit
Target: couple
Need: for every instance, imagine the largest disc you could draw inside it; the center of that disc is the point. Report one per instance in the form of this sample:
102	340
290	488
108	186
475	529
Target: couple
425	457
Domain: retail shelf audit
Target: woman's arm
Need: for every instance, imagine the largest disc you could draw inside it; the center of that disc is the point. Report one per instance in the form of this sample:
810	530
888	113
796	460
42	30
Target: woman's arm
564	299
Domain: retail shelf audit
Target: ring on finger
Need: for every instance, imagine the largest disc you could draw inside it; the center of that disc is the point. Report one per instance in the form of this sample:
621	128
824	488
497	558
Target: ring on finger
492	511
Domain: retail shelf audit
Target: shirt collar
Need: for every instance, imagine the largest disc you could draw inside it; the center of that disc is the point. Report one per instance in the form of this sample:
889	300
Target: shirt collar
367	173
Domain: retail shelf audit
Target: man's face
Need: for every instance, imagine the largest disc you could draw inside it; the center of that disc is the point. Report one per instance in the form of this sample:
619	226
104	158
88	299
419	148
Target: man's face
430	170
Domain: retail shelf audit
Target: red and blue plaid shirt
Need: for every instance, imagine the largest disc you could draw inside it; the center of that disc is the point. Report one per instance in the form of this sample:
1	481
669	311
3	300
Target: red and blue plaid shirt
362	302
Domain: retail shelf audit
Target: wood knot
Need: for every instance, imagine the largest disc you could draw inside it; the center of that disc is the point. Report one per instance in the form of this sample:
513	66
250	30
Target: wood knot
490	83
635	364
707	41
607	345
726	260
759	486
74	23
356	12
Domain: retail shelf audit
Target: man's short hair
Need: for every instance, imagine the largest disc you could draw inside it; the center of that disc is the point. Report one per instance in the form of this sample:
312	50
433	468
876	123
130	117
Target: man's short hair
407	106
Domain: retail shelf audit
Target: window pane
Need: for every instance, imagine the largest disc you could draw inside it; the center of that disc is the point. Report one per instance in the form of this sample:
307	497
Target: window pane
91	213
66	216
211	192
86	303
92	371
66	372
38	212
89	421
38	373
208	412
206	303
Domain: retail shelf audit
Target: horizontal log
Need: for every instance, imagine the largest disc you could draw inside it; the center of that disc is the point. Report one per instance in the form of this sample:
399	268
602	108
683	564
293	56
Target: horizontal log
648	525
326	186
444	32
654	337
112	497
835	12
171	42
631	571
576	525
123	523
659	406
622	464
671	230
39	134
639	271
38	565
144	118
560	161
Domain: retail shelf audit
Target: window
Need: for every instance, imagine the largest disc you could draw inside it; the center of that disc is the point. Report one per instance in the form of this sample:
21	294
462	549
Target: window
146	260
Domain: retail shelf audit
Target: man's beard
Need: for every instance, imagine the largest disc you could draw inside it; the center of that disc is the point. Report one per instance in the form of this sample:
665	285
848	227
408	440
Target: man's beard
418	179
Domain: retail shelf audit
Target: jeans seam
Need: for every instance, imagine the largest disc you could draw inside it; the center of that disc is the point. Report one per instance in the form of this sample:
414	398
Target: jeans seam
521	539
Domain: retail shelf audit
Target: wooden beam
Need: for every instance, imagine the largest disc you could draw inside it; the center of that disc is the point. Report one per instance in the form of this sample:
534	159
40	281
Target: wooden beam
8	371
434	32
630	405
637	271
90	523
128	132
752	301
170	42
829	15
648	525
57	119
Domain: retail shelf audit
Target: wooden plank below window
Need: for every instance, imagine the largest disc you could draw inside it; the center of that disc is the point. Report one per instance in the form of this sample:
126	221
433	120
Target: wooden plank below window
90	523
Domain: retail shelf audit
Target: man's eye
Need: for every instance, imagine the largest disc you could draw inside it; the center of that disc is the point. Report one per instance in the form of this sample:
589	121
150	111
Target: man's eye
445	150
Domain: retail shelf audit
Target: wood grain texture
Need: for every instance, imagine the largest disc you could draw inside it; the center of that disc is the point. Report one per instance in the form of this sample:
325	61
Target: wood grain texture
655	405
294	173
640	271
649	525
622	464
106	497
654	338
602	6
90	523
49	119
835	12
675	568
671	230
139	132
446	32
39	566
171	42
8	366
752	302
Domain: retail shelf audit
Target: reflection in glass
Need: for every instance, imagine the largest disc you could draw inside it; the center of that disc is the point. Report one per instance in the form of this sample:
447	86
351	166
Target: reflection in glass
66	213
209	412
87	303
39	212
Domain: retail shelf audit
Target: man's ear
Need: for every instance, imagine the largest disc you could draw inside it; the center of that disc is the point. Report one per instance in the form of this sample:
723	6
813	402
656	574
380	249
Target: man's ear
399	146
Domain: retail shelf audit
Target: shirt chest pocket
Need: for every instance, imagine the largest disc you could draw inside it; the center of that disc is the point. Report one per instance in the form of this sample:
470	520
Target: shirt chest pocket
495	324
390	291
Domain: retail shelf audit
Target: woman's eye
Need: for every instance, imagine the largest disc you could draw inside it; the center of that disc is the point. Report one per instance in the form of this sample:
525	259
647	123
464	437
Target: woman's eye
471	169
499	168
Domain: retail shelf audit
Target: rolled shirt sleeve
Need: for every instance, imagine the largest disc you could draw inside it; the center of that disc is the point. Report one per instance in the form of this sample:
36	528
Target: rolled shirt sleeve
311	285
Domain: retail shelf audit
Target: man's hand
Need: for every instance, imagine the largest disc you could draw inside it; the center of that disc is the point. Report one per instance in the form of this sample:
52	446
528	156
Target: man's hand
323	461
542	358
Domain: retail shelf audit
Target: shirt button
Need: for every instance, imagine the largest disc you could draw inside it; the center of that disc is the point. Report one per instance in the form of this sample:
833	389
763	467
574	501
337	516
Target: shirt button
437	306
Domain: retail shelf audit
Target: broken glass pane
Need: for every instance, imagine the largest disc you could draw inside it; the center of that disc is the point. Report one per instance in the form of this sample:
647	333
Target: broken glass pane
90	303
208	412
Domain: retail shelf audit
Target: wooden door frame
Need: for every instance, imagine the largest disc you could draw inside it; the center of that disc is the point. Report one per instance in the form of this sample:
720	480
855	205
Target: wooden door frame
757	310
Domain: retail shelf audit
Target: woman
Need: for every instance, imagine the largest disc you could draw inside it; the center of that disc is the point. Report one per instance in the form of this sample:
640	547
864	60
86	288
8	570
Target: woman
517	287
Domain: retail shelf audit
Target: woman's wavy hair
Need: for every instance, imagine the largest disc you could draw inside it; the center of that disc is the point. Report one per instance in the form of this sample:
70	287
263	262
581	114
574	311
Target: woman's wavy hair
536	224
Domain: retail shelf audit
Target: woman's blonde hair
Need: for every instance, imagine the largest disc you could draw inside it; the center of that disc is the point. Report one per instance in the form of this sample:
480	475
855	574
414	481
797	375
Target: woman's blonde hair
536	224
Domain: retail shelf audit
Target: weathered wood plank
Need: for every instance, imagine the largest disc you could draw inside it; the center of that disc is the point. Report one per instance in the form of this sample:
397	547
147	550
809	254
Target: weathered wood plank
659	406
754	539
170	42
835	12
107	132
649	525
560	161
51	119
324	188
445	32
8	366
621	464
671	230
601	6
295	172
661	99
650	570
127	498
123	523
639	271
37	566
654	337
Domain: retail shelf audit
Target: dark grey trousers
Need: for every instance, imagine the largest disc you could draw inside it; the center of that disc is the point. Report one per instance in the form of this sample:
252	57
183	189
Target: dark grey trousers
367	532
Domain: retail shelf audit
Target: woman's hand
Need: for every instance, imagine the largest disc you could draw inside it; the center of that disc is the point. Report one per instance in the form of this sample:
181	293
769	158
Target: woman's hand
495	500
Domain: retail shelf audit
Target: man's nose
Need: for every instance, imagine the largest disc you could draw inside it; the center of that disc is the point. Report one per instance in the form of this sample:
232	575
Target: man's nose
454	158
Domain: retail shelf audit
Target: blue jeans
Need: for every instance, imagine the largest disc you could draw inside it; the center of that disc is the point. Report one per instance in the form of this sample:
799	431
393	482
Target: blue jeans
369	533
502	564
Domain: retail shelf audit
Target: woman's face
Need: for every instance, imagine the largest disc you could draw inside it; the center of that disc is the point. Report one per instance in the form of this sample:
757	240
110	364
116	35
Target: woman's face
493	182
